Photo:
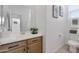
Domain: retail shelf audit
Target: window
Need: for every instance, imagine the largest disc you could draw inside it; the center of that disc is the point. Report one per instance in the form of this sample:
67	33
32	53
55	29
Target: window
73	10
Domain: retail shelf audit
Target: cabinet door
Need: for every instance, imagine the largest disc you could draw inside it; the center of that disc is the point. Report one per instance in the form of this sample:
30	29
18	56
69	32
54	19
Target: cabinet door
35	48
18	50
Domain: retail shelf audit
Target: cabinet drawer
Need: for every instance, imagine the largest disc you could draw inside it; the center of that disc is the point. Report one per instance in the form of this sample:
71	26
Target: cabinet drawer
34	40
18	50
12	46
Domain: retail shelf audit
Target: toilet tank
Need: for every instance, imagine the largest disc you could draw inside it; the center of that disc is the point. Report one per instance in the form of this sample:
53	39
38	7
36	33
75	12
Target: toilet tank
74	37
74	34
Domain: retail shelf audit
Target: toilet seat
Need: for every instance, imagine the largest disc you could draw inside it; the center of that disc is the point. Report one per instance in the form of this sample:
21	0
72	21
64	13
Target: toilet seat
73	43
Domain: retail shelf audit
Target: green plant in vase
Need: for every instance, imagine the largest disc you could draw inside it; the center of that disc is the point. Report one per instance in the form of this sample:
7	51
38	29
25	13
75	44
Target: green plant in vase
34	30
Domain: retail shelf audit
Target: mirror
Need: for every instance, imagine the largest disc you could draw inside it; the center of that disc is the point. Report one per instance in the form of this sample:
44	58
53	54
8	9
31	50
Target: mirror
10	17
26	14
9	13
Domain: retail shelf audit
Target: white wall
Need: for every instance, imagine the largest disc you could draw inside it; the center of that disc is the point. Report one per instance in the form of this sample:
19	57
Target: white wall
56	30
51	28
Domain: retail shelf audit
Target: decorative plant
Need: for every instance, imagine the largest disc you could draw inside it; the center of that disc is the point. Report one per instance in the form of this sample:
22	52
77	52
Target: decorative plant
34	30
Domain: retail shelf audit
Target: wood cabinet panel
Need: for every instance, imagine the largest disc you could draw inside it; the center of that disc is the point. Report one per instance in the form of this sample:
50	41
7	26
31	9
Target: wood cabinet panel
18	50
35	45
12	46
35	48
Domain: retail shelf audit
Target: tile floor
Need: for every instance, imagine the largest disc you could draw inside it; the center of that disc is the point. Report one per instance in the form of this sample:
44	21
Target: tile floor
64	49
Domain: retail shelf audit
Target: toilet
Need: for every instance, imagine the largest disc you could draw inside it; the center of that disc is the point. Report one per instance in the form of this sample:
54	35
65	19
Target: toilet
73	41
73	46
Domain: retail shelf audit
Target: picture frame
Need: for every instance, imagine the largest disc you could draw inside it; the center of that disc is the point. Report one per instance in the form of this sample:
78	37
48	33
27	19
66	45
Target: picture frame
55	11
61	11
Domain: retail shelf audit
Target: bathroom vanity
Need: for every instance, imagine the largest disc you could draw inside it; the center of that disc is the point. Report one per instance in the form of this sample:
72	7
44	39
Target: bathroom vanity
17	20
29	45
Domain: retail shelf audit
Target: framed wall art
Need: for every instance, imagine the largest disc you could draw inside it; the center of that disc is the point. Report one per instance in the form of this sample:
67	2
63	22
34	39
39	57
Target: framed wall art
55	11
61	11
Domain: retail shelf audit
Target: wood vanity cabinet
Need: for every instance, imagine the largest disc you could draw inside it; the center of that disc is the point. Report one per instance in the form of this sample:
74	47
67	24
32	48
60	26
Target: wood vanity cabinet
33	45
18	50
16	47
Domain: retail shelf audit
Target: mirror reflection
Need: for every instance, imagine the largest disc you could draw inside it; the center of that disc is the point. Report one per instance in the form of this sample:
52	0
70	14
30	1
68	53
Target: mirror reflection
21	13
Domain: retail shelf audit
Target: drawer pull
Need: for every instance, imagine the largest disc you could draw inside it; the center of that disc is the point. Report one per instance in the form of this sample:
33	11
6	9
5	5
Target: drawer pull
12	46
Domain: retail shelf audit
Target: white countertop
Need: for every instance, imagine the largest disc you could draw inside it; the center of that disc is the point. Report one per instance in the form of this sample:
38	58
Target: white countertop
18	38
